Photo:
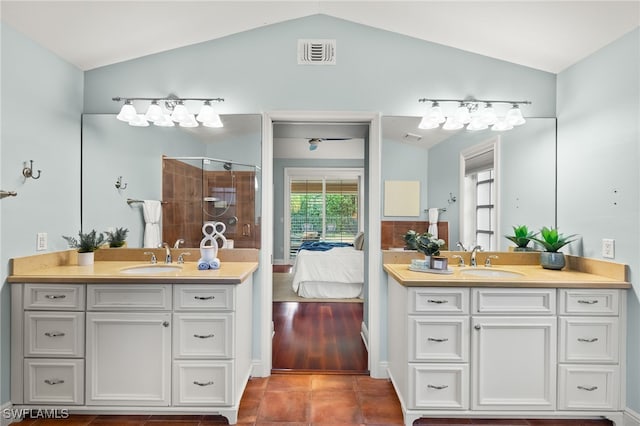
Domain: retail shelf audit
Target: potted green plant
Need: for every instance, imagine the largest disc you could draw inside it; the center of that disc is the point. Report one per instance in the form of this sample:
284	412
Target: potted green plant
552	241
424	243
86	244
521	237
117	238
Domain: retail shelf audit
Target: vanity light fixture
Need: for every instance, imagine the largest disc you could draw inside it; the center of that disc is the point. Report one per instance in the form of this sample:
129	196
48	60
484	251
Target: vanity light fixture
169	111
476	114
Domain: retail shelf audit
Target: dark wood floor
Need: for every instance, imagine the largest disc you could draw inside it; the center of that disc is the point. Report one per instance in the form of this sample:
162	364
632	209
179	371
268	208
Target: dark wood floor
318	337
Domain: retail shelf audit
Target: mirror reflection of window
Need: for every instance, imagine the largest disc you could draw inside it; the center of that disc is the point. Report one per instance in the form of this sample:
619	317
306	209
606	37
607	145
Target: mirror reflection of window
479	196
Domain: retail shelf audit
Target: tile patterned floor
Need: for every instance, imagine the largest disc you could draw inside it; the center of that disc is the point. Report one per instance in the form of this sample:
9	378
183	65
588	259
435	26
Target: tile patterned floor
307	399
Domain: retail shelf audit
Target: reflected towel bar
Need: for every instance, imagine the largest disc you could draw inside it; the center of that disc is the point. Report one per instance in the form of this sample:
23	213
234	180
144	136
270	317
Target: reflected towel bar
131	201
4	194
440	209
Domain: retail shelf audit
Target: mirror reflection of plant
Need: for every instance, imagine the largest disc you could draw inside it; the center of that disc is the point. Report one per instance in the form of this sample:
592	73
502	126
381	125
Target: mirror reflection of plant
551	240
521	236
86	243
424	243
117	238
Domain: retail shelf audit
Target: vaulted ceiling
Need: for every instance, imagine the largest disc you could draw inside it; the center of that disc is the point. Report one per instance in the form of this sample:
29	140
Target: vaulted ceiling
546	35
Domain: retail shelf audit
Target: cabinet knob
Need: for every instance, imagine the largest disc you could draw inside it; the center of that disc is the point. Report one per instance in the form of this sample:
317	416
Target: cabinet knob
165	323
477	327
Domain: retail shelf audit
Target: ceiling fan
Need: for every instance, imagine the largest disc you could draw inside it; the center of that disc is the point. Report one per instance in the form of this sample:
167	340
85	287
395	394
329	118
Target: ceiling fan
314	142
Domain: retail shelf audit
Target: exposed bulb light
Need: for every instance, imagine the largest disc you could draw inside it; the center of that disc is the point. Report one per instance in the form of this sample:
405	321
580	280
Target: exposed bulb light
178	112
476	114
127	112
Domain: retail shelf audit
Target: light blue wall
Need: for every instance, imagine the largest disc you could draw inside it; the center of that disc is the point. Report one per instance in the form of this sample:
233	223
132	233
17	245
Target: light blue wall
598	174
41	108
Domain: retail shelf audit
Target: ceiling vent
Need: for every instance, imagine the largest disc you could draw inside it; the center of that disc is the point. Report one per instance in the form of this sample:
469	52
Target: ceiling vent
316	52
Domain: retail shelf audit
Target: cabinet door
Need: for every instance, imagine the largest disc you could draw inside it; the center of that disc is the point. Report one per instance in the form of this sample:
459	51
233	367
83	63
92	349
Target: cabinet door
128	358
514	363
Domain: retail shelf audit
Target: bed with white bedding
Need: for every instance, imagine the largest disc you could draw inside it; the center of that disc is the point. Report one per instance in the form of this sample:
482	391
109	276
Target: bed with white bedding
335	274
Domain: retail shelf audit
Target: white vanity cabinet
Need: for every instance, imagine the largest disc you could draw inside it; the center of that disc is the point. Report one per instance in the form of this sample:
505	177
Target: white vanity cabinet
506	352
158	348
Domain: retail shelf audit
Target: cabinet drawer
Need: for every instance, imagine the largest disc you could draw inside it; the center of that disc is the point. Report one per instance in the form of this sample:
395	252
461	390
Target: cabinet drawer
54	381
68	297
526	301
441	386
128	297
54	334
203	335
589	339
589	302
202	383
203	297
439	338
588	387
439	300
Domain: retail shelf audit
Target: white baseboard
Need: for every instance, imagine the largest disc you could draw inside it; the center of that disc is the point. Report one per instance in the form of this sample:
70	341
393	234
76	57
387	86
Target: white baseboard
631	418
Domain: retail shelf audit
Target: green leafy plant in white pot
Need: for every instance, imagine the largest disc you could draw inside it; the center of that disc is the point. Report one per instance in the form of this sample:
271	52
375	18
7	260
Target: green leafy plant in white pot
117	237
552	241
86	244
521	237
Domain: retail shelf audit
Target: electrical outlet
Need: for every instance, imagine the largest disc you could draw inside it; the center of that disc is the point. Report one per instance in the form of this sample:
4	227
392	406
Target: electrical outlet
41	241
608	248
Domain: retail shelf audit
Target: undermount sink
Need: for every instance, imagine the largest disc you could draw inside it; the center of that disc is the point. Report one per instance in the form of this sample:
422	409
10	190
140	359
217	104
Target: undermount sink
491	273
150	269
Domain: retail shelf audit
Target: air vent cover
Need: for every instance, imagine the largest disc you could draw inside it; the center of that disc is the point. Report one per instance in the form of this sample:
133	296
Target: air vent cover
316	52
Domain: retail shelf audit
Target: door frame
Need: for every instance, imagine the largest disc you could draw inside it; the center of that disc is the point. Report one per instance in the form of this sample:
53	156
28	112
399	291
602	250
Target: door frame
372	330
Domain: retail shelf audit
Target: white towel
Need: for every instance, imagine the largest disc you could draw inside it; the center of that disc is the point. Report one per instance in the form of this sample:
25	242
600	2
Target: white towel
433	222
151	211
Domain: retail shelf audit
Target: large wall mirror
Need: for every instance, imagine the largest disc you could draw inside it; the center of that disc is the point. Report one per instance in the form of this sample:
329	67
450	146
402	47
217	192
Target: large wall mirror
525	174
198	174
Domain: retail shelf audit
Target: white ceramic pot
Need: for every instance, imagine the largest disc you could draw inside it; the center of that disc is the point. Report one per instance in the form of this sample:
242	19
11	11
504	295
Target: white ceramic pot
85	259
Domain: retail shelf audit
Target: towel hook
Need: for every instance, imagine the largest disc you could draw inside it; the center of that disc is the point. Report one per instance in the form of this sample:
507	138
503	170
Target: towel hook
27	172
119	184
452	198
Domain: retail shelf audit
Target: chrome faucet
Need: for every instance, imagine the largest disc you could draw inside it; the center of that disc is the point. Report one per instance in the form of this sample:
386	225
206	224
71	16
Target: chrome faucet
474	251
167	259
461	246
178	242
154	260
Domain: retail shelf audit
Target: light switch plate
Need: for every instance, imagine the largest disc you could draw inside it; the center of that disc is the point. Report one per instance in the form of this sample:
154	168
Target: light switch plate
608	248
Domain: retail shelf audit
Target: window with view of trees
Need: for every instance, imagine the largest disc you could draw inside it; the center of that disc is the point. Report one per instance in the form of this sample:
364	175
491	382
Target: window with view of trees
324	208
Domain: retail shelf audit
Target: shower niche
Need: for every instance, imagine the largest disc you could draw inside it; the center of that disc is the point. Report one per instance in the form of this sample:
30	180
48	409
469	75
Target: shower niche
196	190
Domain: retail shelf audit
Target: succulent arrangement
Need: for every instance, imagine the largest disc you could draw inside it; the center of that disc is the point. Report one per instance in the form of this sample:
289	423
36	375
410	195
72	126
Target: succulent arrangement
521	236
86	243
552	240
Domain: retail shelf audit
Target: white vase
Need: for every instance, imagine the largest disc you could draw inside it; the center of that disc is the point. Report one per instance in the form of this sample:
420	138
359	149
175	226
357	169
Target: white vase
85	259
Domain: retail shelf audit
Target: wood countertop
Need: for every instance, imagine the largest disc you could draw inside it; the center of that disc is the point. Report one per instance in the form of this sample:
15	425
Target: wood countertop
530	276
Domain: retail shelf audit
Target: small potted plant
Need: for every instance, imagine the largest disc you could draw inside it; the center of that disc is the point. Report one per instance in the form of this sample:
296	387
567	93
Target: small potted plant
552	241
117	238
424	243
521	237
85	244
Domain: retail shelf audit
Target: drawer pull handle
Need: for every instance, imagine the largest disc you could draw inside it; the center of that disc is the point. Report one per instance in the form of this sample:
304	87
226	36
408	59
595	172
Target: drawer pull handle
587	302
438	301
54	334
588	388
165	323
438	387
209	383
55	296
591	340
54	381
435	339
203	336
477	327
204	297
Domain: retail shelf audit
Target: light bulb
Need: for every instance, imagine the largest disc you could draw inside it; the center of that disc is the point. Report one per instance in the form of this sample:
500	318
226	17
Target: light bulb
514	116
452	124
154	113
139	121
127	112
180	112
206	113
